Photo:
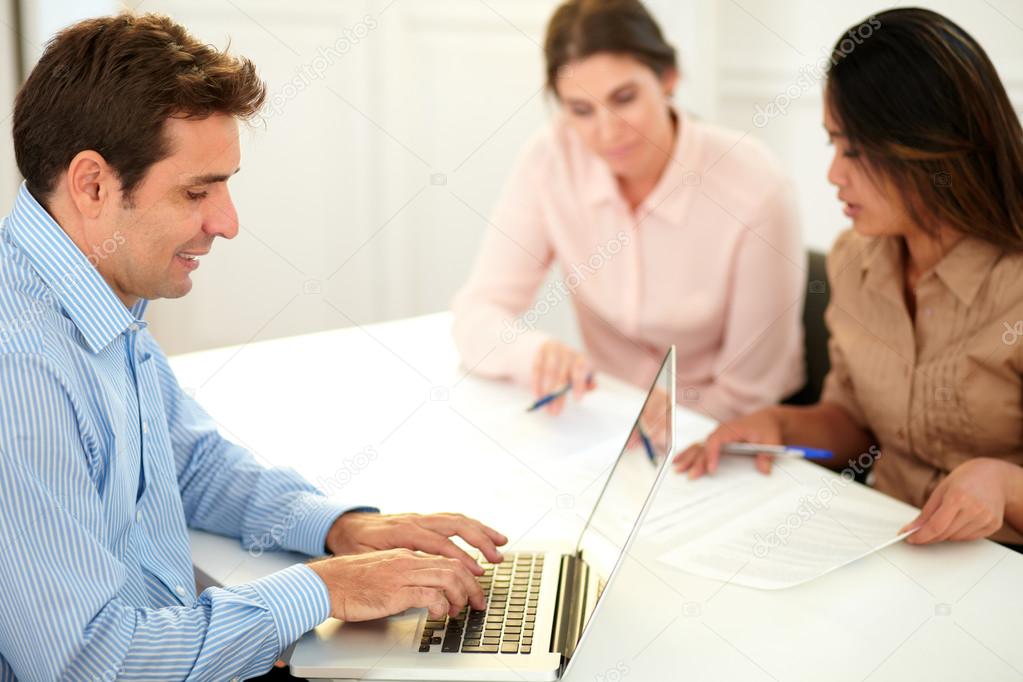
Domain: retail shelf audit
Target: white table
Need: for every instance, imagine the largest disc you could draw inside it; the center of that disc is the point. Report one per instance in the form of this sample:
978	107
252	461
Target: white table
383	415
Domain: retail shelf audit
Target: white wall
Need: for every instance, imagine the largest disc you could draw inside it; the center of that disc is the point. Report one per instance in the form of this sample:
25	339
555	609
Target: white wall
392	125
9	45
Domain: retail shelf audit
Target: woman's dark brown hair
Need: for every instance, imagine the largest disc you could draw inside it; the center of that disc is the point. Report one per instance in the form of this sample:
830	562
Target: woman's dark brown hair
922	103
581	28
109	84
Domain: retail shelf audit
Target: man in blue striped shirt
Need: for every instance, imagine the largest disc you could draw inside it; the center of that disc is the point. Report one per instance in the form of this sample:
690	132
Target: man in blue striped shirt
126	133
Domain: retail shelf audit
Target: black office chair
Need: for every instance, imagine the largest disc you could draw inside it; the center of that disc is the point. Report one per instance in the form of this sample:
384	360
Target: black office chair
815	339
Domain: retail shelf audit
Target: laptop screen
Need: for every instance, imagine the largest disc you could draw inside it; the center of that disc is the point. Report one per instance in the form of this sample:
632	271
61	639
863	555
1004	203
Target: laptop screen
631	482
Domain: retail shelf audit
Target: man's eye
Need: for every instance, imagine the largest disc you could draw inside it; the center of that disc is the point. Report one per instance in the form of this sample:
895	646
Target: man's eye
851	154
196	196
625	97
580	111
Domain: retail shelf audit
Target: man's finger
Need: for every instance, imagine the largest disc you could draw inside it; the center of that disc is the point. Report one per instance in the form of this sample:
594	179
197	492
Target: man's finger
472	531
418	597
443	574
459	588
496	537
436	543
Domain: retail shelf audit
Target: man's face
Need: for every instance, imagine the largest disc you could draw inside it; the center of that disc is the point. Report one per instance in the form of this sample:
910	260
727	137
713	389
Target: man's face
177	210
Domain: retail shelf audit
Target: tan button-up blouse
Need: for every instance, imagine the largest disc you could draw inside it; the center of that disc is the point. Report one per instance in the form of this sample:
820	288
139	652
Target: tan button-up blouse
938	390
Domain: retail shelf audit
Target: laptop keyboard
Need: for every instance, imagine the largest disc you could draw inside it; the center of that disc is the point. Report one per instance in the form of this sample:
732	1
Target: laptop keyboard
511	589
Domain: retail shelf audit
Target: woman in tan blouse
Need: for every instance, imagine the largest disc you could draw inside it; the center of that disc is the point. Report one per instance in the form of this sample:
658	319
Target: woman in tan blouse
926	308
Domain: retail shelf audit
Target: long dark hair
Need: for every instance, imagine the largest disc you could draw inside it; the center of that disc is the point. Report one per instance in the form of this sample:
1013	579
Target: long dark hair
922	103
581	28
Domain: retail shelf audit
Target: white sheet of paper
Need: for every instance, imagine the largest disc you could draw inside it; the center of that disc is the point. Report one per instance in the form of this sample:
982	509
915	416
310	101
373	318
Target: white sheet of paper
787	533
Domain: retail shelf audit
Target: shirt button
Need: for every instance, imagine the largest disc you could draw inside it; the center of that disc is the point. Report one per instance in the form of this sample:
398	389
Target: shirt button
138	516
145	427
180	590
134	327
901	434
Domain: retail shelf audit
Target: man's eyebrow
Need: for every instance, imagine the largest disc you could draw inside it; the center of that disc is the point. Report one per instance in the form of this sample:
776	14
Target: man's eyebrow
210	178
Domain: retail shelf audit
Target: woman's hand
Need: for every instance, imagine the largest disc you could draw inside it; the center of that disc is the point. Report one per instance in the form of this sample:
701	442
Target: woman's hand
967	505
557	364
763	426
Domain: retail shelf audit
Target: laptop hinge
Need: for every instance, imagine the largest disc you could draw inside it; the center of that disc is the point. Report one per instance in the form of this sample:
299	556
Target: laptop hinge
570	611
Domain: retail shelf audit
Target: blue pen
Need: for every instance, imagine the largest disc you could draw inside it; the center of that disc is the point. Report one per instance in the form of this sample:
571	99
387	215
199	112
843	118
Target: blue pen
555	395
776	450
647	444
550	397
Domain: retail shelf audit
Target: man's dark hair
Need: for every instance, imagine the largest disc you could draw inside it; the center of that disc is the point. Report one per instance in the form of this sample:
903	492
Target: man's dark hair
109	85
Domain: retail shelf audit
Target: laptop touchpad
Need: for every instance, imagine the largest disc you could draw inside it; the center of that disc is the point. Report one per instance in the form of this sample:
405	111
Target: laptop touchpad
397	633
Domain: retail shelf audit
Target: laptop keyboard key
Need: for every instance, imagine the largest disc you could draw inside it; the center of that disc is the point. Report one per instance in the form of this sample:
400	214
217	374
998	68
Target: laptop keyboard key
511	590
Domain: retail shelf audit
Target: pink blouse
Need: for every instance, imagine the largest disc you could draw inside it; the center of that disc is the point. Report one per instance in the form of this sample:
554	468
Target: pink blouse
712	261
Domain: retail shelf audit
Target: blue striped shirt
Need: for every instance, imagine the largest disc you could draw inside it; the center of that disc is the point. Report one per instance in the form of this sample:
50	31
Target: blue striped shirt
104	463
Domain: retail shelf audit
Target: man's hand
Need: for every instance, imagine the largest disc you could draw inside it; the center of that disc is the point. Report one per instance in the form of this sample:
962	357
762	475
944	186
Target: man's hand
380	584
968	504
357	532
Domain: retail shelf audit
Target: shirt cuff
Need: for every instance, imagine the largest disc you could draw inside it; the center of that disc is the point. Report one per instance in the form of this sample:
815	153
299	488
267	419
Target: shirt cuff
309	532
297	600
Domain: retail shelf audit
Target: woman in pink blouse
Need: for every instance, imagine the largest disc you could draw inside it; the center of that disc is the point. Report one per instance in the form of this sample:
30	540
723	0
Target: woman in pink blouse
665	229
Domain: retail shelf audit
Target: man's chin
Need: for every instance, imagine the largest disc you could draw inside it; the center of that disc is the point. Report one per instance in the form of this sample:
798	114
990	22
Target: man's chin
175	289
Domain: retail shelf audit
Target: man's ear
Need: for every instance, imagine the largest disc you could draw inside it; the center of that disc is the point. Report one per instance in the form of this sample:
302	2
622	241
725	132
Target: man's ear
91	182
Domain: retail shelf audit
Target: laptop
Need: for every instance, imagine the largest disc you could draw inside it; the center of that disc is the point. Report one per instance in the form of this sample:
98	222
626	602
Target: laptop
540	604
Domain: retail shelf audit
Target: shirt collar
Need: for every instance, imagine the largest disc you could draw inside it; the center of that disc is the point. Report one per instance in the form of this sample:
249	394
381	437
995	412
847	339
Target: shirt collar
600	185
963	269
881	267
82	292
966	266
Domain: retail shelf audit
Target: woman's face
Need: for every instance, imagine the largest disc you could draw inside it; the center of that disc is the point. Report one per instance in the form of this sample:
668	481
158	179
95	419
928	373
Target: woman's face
875	210
619	107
